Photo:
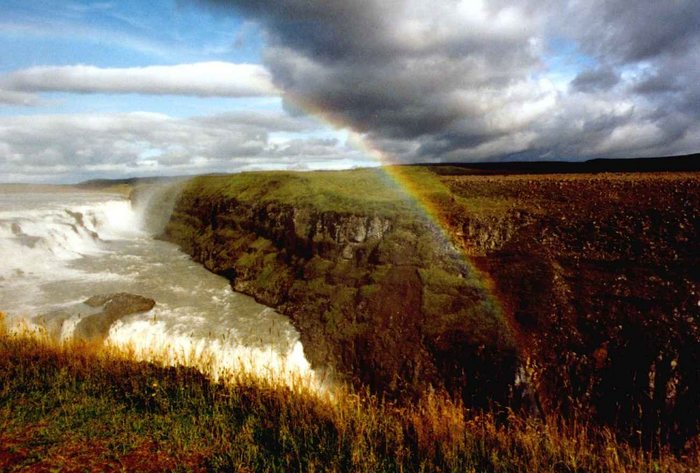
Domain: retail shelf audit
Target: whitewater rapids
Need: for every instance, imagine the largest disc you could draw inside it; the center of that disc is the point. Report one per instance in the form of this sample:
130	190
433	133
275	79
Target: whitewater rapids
58	247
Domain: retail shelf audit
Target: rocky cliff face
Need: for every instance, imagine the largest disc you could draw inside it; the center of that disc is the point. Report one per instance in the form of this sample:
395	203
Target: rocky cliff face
587	286
376	297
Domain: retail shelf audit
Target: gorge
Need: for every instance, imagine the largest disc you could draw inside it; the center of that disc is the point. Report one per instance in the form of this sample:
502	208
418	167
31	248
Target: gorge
583	288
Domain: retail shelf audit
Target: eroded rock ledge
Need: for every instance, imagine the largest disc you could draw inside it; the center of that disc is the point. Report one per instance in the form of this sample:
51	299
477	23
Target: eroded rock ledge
597	276
382	298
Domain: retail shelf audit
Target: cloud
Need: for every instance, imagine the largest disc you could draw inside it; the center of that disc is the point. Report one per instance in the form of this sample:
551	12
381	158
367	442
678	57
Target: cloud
205	79
60	148
595	80
630	31
13	97
455	80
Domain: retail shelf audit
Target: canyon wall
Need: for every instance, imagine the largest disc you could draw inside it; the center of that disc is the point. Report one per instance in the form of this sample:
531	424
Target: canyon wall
381	297
555	293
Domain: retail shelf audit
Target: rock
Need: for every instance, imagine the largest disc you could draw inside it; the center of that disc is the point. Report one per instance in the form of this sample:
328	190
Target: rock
121	303
96	315
353	283
563	263
114	306
348	252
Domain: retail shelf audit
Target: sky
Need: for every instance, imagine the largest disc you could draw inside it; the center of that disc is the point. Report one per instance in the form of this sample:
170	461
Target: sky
111	89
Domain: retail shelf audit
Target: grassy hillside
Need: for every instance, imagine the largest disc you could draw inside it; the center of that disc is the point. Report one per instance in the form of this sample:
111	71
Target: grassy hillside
587	286
79	408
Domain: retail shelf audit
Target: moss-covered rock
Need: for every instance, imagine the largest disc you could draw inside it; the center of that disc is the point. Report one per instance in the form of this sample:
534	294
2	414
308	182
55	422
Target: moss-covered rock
374	289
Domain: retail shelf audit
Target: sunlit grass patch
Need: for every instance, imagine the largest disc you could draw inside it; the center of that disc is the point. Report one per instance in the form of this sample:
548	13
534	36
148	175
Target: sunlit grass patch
78	406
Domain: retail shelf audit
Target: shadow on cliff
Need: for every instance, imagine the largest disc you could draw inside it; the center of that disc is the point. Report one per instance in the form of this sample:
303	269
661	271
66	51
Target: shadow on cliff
593	303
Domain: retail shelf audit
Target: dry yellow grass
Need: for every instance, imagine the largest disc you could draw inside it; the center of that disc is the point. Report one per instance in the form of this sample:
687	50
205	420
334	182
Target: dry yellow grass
79	406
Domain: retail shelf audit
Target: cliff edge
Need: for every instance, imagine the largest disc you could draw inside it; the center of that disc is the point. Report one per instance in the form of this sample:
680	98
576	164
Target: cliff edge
569	292
375	289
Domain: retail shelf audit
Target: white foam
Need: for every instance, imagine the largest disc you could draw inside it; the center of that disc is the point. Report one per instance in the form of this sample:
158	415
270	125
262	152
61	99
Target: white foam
219	355
68	328
58	250
38	241
115	219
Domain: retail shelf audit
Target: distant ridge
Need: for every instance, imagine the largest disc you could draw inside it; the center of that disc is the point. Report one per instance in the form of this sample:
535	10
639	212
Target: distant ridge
100	183
685	163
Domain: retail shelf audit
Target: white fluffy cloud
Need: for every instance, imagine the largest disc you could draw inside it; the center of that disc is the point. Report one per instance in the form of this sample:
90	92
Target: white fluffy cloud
445	80
69	148
204	79
13	97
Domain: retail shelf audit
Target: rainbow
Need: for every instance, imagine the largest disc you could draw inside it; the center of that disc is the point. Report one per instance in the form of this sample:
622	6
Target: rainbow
406	182
392	168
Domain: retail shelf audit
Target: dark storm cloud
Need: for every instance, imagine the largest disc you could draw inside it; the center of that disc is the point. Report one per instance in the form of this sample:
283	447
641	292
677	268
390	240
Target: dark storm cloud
657	44
654	84
457	80
630	31
595	80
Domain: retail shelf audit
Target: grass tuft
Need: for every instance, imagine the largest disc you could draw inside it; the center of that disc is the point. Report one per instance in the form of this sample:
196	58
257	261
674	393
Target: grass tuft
78	407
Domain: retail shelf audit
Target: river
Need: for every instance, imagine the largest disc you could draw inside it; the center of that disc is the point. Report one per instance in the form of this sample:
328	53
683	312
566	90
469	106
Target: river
59	246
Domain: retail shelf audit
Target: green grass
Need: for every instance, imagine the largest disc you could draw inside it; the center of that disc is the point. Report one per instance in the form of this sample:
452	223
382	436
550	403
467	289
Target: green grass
78	407
372	190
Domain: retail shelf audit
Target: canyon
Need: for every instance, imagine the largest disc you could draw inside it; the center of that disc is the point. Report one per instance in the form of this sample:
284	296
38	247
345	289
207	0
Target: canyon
552	293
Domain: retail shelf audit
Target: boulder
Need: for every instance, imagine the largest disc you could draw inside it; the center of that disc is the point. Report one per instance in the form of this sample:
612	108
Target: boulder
114	306
121	303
